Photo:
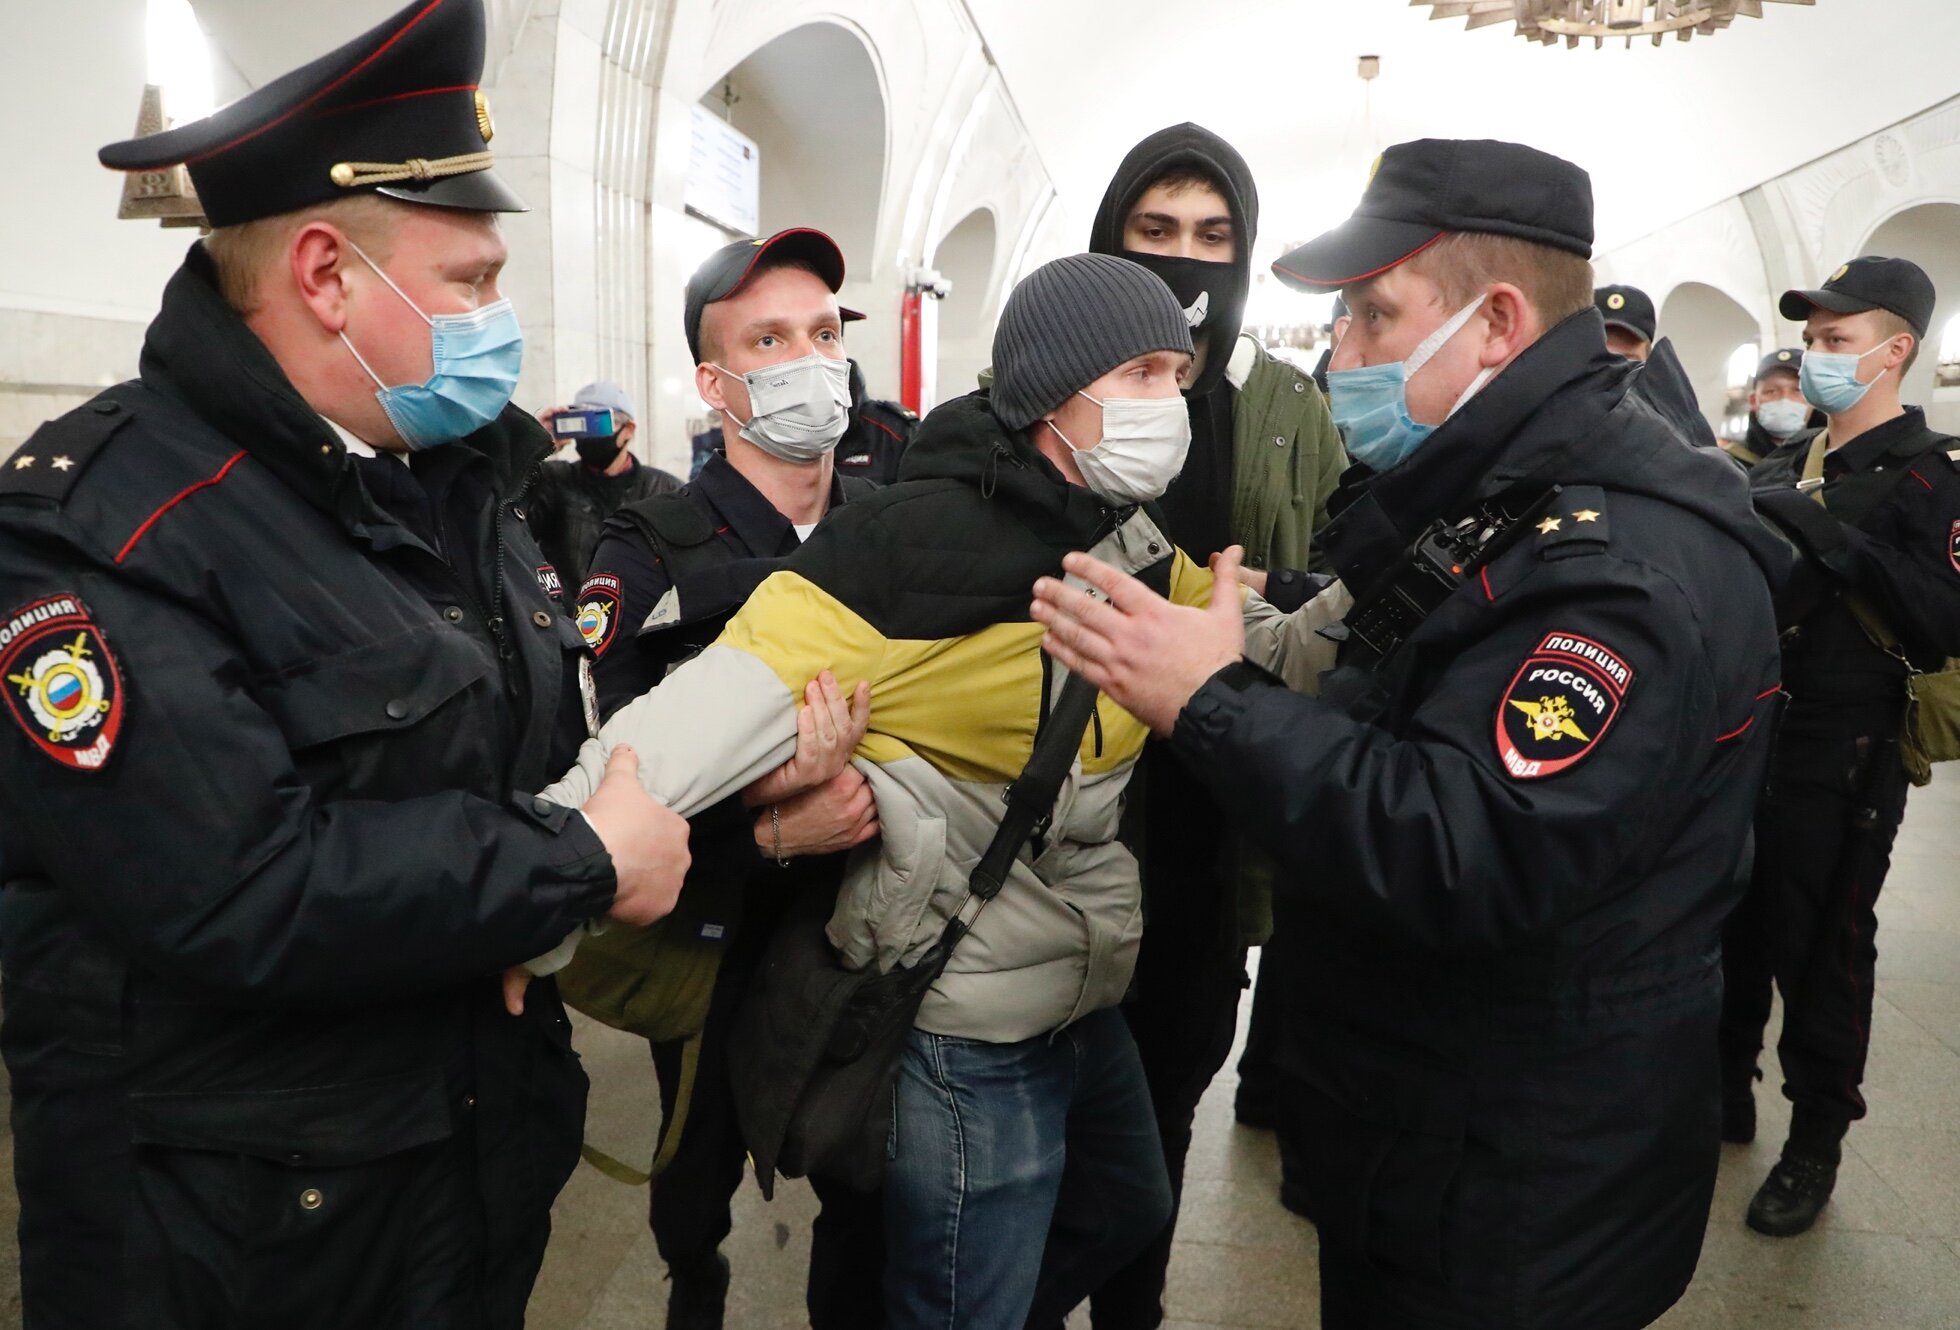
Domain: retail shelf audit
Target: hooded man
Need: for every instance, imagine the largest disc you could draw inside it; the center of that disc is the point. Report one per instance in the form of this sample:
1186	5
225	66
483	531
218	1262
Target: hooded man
1511	820
1264	457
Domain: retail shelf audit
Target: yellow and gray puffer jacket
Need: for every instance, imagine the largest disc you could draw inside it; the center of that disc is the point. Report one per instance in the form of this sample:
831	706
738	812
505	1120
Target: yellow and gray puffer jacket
923	588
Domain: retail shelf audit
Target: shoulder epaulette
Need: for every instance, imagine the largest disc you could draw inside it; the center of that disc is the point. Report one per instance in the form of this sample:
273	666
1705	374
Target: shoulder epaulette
55	455
1574	525
674	518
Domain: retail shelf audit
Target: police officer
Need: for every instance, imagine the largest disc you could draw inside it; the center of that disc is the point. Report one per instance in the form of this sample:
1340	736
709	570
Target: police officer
1630	320
278	676
874	441
573	500
1872	504
1777	410
668	574
1509	825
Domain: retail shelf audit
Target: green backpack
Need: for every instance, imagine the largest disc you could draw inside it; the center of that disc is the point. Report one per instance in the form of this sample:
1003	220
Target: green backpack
654	982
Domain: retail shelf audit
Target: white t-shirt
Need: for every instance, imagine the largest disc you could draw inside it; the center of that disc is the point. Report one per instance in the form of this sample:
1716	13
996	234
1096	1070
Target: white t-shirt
803	532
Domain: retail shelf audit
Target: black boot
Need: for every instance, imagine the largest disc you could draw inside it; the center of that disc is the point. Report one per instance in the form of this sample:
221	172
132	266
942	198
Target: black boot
1793	1195
698	1295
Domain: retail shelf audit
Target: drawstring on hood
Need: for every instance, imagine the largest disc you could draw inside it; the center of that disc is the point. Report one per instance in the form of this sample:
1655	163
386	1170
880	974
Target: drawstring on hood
1189	147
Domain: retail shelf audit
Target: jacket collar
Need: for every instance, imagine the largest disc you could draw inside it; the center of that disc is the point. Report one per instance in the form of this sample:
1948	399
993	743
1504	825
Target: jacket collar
962	440
1519	428
746	513
1900	437
200	352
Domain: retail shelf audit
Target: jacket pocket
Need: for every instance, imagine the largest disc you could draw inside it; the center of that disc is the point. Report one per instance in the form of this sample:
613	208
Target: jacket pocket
382	686
1385	1177
327	1125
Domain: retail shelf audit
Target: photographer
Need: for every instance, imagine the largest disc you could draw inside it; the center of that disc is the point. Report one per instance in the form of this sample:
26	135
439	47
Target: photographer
571	501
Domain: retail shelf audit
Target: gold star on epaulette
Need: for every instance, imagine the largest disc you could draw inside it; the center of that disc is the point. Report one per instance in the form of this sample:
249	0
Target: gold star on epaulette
62	463
22	462
1586	515
1549	525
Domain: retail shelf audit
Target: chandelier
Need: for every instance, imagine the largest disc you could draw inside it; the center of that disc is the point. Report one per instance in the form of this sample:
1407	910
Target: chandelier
1572	21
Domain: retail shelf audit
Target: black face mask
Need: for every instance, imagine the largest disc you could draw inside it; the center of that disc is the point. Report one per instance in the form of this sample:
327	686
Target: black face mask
600	451
1208	291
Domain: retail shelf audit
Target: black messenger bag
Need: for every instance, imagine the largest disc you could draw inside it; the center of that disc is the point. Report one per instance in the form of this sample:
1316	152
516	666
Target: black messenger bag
815	1050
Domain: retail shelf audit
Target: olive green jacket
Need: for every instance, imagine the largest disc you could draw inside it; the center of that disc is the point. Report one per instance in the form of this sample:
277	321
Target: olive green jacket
1286	460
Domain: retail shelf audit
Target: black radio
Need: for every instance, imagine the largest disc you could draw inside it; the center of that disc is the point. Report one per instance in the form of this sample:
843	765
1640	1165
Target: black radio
1431	570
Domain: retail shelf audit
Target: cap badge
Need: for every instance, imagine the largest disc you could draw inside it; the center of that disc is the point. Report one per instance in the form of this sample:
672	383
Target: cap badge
484	124
1838	276
1616	301
1374	168
1782	355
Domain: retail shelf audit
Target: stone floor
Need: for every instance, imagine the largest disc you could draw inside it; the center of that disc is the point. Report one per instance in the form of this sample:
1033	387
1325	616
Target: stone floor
1886	1254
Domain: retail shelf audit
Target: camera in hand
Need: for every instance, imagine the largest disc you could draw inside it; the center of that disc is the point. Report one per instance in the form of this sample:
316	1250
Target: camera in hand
574	422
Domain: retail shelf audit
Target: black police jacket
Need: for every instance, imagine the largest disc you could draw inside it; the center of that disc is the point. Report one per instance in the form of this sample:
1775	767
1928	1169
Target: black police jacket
569	507
1505	873
264	784
1887	533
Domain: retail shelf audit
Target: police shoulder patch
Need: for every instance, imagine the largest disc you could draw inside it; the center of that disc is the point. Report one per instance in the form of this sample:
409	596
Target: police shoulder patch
1953	547
549	581
1560	704
597	615
62	684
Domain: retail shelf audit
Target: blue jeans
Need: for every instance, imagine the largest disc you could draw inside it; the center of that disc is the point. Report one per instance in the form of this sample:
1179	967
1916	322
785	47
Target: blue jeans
1022	1176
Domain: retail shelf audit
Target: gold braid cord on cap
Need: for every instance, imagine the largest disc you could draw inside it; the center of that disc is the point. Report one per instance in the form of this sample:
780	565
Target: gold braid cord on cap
354	175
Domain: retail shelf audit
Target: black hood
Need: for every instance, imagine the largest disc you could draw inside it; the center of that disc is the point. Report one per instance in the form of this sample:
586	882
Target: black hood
1189	146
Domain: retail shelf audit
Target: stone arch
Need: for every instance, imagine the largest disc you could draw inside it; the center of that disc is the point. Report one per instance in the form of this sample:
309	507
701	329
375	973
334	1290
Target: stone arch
813	99
966	256
1706	325
1928	233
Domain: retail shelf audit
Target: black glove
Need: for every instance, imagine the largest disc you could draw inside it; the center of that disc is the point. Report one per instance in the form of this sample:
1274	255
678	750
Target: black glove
1818	536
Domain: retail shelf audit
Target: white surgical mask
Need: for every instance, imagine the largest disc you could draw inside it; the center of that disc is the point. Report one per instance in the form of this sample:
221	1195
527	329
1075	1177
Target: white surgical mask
1144	443
1782	419
798	409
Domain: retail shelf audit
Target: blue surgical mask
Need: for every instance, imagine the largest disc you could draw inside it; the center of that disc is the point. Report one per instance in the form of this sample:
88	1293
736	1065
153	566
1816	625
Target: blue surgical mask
476	359
1830	379
1371	404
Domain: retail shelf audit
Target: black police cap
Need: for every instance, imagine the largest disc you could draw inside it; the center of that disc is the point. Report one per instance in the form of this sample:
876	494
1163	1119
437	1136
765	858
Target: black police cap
731	267
1424	190
1898	285
396	111
1628	307
1787	360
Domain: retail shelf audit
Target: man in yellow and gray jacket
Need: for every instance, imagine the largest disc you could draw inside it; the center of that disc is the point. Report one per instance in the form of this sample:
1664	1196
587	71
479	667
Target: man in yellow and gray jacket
1019	1063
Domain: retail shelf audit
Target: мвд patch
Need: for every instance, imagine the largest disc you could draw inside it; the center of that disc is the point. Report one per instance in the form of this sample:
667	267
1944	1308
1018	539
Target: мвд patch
1560	704
62	685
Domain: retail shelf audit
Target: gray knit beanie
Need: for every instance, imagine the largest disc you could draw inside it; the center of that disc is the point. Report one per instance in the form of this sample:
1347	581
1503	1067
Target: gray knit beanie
1071	322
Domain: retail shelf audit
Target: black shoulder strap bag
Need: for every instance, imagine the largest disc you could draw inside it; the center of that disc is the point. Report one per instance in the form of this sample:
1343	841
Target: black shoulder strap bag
815	1050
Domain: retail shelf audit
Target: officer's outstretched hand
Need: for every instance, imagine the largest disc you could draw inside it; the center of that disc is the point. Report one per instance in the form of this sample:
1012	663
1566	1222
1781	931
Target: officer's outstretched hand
828	730
1147	654
646	839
